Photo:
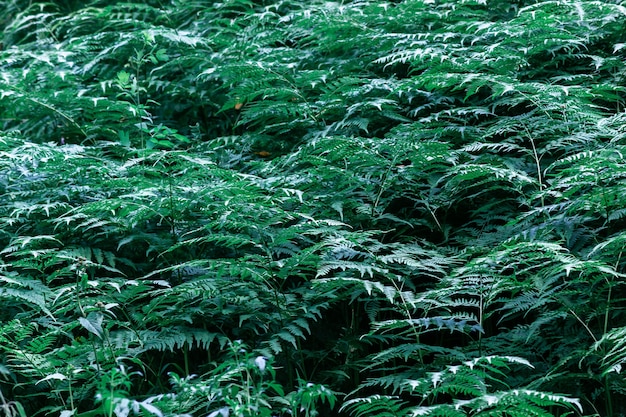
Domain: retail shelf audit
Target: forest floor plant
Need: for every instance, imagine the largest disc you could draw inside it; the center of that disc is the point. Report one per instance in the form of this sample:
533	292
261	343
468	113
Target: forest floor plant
290	208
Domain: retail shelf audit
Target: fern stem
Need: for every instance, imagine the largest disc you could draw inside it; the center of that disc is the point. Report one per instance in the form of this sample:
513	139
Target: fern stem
607	397
584	325
59	112
70	392
480	321
607	309
537	163
186	358
110	402
607	388
173	219
609	295
383	184
432	213
410	317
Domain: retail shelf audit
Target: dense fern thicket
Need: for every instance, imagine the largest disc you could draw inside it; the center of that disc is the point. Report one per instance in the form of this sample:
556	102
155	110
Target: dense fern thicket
289	208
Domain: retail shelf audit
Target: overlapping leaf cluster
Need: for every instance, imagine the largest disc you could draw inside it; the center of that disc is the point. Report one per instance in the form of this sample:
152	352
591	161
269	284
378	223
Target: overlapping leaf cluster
301	208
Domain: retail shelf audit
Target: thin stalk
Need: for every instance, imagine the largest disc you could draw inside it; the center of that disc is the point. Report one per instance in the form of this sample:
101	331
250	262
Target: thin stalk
480	321
111	393
607	389
186	358
537	163
59	112
609	295
383	184
584	325
410	317
137	99
172	208
607	397
70	392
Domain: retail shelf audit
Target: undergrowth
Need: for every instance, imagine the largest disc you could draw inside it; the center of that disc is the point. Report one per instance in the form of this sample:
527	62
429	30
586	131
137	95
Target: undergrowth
288	208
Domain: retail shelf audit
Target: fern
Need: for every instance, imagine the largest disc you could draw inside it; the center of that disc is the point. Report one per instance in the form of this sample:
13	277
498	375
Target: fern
289	200
471	380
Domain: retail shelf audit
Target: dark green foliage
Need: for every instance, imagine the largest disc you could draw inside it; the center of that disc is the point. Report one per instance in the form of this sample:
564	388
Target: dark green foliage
287	208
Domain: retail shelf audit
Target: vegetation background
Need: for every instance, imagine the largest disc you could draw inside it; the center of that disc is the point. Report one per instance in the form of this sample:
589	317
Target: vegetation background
302	208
